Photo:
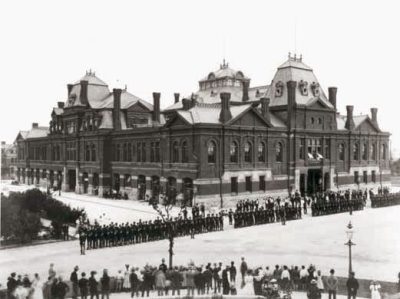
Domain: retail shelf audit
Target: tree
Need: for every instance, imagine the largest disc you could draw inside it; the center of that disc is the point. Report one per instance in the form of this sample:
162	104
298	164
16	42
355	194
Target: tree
164	210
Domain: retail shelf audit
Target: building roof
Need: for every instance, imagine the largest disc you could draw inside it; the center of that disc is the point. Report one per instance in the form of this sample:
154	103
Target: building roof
37	132
127	100
91	78
224	71
295	70
58	111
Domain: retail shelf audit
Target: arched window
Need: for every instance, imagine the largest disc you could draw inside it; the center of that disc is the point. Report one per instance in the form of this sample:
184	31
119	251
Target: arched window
185	157
247	152
118	153
87	153
93	152
125	152
129	152
234	152
384	151
278	152
175	152
373	151
364	151
211	152
356	151
341	152
261	152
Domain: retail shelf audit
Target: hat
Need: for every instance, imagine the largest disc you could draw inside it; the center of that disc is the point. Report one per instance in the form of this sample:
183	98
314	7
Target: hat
76	268
273	280
313	281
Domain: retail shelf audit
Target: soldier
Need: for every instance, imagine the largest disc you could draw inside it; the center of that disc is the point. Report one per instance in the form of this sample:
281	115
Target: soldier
82	240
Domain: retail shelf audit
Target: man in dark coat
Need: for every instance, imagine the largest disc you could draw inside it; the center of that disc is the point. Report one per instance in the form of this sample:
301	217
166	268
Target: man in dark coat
105	285
352	286
93	285
232	272
176	281
243	270
83	286
11	285
134	281
60	289
74	280
225	281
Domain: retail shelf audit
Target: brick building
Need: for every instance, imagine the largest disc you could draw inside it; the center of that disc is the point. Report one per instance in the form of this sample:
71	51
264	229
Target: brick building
225	142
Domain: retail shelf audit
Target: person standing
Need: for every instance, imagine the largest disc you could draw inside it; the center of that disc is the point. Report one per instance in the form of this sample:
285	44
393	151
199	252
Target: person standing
313	291
37	287
133	279
120	280
332	284
83	286
11	285
61	288
176	281
47	289
159	281
105	285
52	272
93	285
375	290
126	284
243	270
147	281
285	278
74	281
232	272
225	281
320	283
352	286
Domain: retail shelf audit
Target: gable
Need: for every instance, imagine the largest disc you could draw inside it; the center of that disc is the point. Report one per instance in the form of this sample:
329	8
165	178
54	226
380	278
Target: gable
367	126
176	120
317	104
138	107
249	118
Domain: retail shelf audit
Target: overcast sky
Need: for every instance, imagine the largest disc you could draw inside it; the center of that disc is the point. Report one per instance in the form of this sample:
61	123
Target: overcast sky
167	46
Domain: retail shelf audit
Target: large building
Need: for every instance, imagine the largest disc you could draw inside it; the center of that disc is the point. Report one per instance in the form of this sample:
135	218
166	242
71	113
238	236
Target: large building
225	142
8	161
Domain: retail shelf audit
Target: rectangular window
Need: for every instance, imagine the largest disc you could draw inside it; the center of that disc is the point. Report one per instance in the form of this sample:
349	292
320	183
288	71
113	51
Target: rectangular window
262	183
234	185
356	177
248	184
373	176
365	177
302	148
327	151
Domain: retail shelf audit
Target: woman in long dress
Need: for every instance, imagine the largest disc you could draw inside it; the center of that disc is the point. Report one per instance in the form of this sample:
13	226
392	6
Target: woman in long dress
374	288
126	285
37	287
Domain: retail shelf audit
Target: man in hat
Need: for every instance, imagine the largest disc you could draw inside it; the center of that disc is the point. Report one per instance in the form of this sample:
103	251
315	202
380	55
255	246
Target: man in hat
74	280
163	267
11	285
83	286
352	286
332	284
243	270
93	285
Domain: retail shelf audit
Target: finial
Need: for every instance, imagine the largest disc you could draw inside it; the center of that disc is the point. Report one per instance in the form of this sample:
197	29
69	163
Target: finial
126	87
294	56
301	57
289	55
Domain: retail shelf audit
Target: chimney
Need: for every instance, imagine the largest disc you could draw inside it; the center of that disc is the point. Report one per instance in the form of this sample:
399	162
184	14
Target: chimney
246	85
176	97
291	102
374	119
60	105
156	106
3	143
117	108
225	114
187	104
69	87
349	125
35	125
332	96
83	98
265	108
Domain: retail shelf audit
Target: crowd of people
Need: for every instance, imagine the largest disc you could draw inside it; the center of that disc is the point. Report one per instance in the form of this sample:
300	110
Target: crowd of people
331	202
100	236
384	198
252	212
210	278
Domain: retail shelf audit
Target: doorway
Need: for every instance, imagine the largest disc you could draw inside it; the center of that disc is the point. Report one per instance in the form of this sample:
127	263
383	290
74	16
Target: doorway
71	179
314	181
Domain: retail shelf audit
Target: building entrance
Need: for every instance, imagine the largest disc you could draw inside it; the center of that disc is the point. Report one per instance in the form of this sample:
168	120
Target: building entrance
72	179
314	181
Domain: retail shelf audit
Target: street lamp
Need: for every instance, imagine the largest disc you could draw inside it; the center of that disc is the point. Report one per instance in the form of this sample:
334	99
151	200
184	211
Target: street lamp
349	243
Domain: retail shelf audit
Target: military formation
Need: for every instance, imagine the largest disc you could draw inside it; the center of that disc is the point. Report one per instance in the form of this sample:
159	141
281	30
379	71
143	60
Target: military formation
101	236
337	202
252	212
384	198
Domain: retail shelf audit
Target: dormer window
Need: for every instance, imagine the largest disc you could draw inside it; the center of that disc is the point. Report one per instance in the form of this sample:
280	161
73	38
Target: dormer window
303	85
279	89
315	89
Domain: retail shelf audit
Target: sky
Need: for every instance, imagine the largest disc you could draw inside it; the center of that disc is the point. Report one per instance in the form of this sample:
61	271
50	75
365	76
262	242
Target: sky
168	45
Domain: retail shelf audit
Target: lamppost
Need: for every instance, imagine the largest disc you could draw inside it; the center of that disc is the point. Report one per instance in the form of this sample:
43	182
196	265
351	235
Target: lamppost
349	243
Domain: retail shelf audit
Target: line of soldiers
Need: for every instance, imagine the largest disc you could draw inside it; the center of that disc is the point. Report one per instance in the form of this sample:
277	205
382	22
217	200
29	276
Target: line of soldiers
100	236
337	202
389	199
250	213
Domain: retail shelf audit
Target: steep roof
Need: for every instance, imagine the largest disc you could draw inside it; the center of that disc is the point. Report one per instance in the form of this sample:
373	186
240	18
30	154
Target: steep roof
224	71
127	100
295	70
92	79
